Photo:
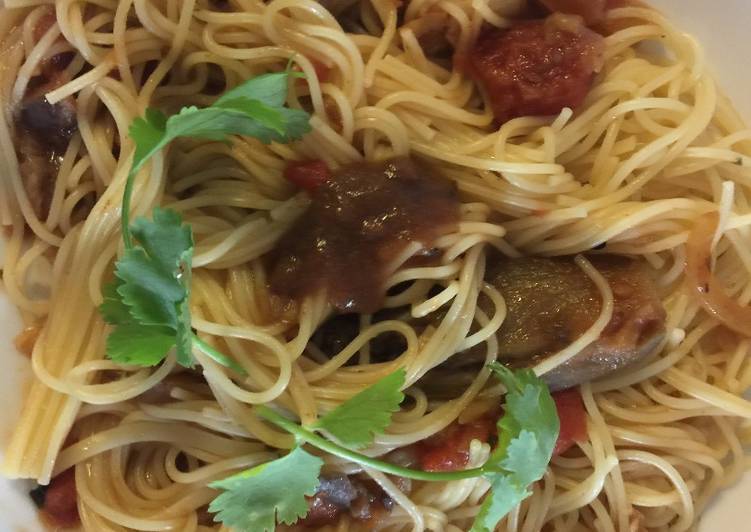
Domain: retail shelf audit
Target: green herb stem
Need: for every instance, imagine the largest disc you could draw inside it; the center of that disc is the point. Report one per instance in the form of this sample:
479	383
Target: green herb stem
337	450
125	212
217	356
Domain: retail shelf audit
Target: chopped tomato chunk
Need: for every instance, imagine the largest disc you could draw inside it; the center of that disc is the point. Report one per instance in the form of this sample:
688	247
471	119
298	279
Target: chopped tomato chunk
323	73
449	449
573	419
44	23
308	175
61	500
536	67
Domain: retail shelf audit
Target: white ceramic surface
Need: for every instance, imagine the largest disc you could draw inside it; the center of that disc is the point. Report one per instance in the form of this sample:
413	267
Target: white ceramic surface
722	28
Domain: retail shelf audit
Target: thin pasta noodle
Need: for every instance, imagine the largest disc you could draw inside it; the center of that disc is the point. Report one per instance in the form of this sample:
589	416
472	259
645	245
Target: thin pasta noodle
654	146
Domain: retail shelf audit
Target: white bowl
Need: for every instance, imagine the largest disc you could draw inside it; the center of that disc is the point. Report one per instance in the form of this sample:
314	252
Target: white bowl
721	27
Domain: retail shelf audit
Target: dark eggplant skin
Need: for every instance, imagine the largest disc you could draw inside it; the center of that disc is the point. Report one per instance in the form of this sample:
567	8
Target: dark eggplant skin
42	133
551	302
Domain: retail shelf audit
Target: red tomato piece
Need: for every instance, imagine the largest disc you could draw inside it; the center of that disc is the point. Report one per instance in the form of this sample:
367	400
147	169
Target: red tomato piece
308	175
536	67
322	71
573	418
45	22
61	500
449	449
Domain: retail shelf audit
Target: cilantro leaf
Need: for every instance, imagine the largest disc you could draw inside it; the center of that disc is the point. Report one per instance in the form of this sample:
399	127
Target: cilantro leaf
255	499
254	109
503	497
150	294
355	422
112	309
527	434
148	134
152	286
297	122
169	245
270	89
139	345
165	239
529	409
270	116
149	300
183	330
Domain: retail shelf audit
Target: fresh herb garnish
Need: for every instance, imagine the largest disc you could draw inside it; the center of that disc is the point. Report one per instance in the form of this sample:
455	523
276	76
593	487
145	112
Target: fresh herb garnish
527	434
148	305
355	422
257	498
148	302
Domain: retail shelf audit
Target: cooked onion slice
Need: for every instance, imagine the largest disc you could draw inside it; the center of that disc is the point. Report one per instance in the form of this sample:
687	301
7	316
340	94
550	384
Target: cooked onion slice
705	285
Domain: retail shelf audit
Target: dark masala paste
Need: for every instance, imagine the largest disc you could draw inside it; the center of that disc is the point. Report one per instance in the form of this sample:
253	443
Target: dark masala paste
359	221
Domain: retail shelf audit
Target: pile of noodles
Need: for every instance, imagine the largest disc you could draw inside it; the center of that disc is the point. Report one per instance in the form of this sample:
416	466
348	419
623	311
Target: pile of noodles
654	147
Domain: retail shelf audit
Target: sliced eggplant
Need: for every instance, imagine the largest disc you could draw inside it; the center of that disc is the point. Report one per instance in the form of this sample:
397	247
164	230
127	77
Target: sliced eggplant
552	302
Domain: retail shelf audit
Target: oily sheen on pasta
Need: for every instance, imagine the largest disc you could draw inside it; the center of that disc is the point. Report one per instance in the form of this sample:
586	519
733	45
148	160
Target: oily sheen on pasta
652	164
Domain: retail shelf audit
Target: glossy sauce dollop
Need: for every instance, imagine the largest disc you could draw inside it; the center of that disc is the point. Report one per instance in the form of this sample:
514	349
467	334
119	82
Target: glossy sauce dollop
360	219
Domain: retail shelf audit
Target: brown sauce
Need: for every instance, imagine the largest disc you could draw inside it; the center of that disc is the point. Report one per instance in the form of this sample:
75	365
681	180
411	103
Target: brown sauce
58	502
359	221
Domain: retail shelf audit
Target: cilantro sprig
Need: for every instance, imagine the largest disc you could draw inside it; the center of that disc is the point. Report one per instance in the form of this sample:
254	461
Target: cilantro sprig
148	301
355	422
148	306
257	498
527	434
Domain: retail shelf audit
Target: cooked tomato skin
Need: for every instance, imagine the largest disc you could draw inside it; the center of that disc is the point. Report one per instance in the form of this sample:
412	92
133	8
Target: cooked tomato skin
449	449
536	67
323	73
573	418
44	23
61	500
308	175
